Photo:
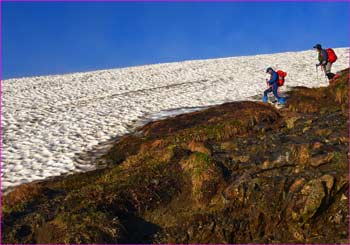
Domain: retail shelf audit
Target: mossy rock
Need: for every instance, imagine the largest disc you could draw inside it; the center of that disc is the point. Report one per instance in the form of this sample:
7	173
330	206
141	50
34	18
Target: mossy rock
241	172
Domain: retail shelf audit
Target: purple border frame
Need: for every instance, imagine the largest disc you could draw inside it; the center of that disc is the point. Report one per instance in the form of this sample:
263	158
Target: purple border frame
197	1
0	121
301	1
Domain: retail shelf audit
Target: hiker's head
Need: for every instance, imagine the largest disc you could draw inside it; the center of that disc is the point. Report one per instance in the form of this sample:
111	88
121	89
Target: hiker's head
269	70
318	47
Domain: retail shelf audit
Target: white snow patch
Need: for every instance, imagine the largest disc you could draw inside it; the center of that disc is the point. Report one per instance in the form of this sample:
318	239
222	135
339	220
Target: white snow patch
48	120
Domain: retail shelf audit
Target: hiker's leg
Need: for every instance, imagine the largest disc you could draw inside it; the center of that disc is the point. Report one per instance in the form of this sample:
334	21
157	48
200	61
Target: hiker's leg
269	90
274	90
280	100
328	67
265	98
329	74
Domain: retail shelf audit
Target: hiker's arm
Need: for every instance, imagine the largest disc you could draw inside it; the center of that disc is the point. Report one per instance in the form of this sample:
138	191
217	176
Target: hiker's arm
274	78
319	59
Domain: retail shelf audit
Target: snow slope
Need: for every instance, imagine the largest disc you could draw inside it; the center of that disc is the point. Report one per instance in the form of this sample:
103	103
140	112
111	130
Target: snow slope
48	121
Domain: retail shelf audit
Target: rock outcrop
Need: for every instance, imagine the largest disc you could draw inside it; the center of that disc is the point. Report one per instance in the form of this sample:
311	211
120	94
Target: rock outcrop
241	172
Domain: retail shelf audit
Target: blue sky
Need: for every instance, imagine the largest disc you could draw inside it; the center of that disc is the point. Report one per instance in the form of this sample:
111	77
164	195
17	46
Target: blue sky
41	38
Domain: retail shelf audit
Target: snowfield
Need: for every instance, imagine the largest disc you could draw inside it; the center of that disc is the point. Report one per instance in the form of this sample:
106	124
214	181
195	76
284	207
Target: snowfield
49	121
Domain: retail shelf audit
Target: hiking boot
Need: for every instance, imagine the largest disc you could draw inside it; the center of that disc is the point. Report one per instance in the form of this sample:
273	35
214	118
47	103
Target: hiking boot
282	101
265	99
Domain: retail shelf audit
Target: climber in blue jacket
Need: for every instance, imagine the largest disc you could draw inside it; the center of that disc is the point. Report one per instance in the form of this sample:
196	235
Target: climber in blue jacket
273	86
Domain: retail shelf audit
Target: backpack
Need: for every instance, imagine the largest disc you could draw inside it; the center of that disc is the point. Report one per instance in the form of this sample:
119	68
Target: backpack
281	75
332	57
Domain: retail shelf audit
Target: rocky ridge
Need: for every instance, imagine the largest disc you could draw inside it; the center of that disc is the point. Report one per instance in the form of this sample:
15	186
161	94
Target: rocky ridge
241	172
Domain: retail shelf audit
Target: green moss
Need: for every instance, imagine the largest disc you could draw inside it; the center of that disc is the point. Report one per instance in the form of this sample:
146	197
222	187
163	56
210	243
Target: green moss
202	157
339	159
6	209
203	163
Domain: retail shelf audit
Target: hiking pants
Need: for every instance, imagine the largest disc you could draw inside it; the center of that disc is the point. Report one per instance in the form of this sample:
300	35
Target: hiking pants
273	88
327	70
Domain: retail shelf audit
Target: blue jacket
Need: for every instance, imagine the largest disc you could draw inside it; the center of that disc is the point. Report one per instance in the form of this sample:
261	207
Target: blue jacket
274	77
323	56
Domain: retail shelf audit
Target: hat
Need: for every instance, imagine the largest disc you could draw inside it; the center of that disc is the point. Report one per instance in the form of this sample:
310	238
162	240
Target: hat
268	69
318	46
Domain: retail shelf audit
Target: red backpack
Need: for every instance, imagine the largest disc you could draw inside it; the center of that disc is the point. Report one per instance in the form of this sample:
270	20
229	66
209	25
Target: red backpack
281	75
332	57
